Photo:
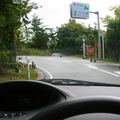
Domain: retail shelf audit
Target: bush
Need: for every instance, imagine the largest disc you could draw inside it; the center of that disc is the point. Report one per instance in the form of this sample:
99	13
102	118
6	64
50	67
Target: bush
7	61
70	51
35	52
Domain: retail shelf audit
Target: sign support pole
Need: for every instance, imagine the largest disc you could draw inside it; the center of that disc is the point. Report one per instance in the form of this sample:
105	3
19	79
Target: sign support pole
99	41
81	10
103	45
84	48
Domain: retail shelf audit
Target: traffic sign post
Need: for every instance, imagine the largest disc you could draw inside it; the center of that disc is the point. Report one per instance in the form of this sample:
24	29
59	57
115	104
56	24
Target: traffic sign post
99	41
80	10
103	46
83	47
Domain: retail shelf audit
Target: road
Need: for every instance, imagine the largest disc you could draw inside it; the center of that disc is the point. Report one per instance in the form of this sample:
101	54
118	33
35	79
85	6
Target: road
79	69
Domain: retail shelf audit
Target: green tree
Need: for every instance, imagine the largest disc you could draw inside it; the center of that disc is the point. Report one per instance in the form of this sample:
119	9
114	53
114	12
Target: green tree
91	35
40	35
70	36
68	33
116	10
11	15
112	34
52	44
113	38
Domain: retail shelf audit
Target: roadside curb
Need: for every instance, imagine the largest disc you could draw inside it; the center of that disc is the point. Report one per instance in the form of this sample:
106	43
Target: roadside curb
47	74
41	74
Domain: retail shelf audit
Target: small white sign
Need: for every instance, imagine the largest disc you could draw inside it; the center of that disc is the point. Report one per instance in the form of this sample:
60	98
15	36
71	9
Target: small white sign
80	10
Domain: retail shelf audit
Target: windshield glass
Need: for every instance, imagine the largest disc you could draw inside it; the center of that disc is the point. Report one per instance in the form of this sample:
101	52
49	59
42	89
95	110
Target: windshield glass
58	39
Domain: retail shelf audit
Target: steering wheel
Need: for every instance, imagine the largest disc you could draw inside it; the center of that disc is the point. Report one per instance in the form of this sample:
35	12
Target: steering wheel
99	104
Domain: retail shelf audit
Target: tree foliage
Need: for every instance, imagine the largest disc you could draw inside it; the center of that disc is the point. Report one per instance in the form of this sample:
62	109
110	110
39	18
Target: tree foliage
116	10
40	35
113	38
113	34
52	43
68	33
12	17
70	36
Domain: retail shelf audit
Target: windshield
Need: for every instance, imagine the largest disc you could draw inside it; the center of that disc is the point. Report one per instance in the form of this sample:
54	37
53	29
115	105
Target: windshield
58	39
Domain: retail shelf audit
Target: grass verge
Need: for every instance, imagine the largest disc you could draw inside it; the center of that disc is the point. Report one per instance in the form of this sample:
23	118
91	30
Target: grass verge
30	52
105	60
110	60
22	75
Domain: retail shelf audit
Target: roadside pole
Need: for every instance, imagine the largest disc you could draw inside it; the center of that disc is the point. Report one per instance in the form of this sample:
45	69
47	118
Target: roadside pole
81	11
103	47
28	69
103	44
99	41
84	56
95	51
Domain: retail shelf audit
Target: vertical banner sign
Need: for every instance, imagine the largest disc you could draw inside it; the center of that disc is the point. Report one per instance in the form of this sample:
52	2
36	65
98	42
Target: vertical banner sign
80	10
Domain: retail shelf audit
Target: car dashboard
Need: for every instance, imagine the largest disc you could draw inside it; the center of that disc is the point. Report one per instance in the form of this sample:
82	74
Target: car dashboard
38	100
20	99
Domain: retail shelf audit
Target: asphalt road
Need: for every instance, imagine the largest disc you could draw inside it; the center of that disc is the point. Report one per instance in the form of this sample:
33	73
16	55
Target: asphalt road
78	69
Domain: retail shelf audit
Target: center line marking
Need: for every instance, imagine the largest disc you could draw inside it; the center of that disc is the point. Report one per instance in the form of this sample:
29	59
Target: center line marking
66	61
59	60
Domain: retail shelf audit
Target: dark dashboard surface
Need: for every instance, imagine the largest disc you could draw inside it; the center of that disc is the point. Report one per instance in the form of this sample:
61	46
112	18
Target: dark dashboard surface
21	98
25	99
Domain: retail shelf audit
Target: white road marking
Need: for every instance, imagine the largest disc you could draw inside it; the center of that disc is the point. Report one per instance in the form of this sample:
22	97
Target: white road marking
50	75
59	60
118	72
96	68
67	61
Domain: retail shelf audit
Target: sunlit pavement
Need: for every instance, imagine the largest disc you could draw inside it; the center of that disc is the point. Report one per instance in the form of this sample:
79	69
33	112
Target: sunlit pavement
75	68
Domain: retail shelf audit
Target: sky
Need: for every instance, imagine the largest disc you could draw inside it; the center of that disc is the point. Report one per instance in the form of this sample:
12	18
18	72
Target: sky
54	13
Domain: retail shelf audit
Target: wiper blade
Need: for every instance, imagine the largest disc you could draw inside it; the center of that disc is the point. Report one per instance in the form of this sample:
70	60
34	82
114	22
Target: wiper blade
77	82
